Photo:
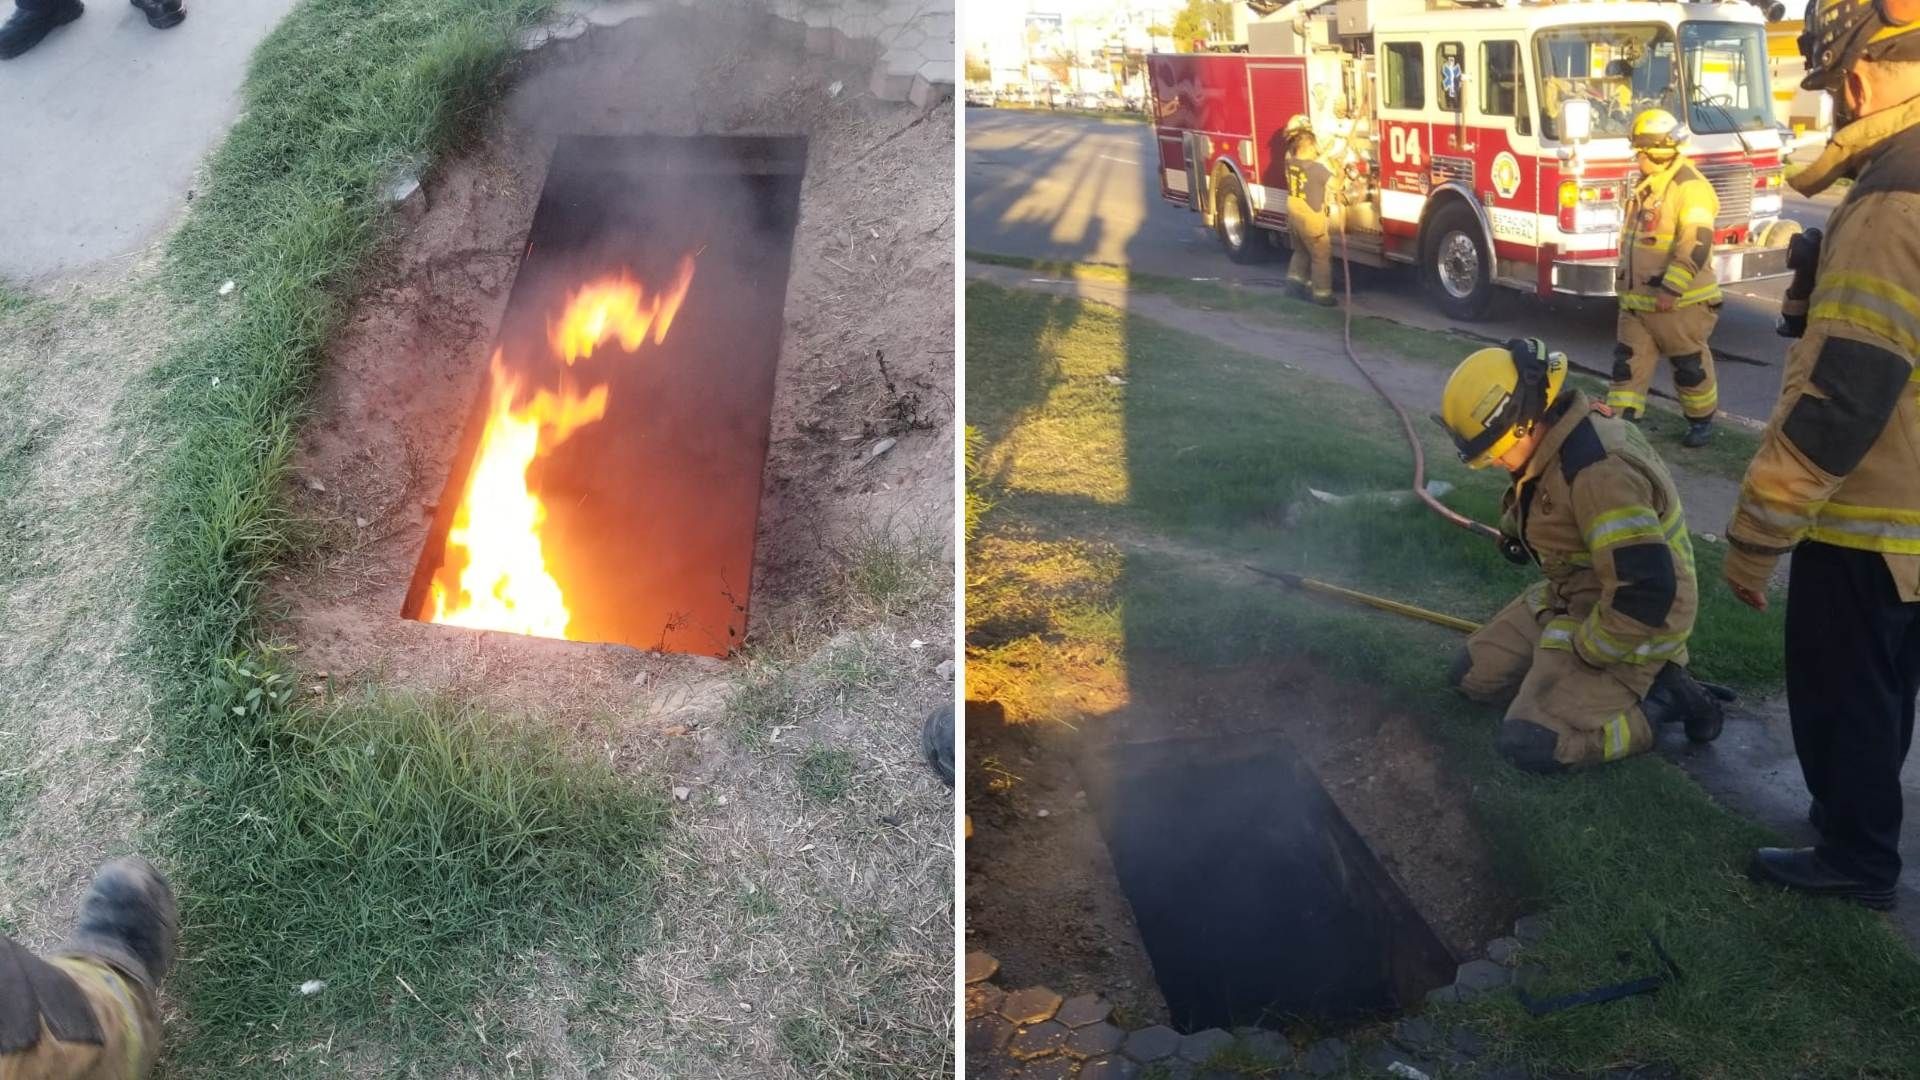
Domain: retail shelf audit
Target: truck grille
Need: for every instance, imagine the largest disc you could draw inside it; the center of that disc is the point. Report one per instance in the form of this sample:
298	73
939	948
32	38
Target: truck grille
1734	185
1457	169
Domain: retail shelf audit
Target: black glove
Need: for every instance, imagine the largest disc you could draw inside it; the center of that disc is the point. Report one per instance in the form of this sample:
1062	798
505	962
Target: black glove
1803	258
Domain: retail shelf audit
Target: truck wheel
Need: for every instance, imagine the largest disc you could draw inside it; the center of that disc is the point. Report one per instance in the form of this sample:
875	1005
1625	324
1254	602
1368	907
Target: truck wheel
1459	268
1233	221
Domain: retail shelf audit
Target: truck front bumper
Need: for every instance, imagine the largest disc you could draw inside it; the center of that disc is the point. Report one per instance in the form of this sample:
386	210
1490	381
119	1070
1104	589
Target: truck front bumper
1595	277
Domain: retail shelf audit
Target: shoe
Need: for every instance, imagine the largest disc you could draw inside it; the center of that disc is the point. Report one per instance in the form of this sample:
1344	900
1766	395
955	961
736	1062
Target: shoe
1529	747
1326	301
128	921
26	28
1630	415
1297	289
162	14
1803	870
1698	432
1675	697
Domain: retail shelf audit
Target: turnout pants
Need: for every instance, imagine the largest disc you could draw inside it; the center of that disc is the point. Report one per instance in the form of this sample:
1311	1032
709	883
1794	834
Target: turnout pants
1596	715
1853	668
1312	262
72	1018
1679	335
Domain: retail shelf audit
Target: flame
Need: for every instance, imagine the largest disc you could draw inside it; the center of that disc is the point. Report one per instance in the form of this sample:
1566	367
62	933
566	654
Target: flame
495	574
617	306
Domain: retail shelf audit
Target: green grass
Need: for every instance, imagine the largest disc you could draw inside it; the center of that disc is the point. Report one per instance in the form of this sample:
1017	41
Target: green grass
1124	551
1726	456
409	853
825	773
891	573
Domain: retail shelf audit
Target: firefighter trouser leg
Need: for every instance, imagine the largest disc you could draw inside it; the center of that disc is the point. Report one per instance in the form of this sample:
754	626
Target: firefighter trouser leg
1312	262
1681	335
1853	669
1592	716
72	1018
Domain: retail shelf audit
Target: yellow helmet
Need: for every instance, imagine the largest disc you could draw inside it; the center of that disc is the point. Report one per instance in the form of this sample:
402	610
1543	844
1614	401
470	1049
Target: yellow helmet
1299	123
1497	395
1838	32
1658	132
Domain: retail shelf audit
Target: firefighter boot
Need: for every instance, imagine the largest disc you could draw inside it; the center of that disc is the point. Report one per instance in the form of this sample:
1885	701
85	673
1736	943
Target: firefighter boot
128	922
162	14
1676	697
1698	432
29	25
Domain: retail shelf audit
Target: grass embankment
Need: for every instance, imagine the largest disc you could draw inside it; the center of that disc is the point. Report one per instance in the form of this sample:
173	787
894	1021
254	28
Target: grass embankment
1726	456
406	853
1132	469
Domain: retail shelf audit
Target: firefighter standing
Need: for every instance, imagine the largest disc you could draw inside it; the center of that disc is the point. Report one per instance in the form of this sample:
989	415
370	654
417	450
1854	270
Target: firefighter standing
1837	478
1669	300
1309	186
89	1013
1589	660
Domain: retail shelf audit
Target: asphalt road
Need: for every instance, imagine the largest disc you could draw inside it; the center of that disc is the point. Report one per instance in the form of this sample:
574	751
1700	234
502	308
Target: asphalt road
1069	187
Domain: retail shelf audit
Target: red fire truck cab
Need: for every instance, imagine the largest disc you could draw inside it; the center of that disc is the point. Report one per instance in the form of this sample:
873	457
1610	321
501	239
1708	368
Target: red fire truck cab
1485	145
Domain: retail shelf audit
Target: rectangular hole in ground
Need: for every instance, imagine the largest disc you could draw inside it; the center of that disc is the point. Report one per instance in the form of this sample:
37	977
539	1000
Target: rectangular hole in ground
1255	898
607	485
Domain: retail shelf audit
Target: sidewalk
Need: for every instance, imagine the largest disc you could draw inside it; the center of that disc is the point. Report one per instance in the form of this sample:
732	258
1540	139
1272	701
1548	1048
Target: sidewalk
106	122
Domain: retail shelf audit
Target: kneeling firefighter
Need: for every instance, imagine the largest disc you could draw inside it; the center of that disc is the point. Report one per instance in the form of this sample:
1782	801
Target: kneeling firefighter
1669	301
1590	659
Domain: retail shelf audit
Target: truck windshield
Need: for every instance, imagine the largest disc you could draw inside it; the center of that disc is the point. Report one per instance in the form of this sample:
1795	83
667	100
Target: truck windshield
1728	86
1621	69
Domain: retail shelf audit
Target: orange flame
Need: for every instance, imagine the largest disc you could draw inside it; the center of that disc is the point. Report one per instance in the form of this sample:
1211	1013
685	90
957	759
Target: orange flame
495	558
617	306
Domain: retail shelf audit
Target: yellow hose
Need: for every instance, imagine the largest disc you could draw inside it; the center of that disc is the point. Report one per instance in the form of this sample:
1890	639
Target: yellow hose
1379	603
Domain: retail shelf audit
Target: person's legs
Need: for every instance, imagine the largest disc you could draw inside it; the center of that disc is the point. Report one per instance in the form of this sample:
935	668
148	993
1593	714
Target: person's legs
89	1013
1300	265
1852	667
1682	335
1320	243
1634	358
1490	667
1591	716
32	21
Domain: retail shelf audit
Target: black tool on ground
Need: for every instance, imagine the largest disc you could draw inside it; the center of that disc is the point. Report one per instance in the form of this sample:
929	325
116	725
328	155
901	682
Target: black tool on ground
1803	258
1538	1007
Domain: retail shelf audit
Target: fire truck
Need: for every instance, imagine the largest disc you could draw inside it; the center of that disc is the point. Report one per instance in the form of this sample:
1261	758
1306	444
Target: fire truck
1485	145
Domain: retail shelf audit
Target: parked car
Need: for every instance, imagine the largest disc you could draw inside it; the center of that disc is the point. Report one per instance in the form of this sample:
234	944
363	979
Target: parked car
980	98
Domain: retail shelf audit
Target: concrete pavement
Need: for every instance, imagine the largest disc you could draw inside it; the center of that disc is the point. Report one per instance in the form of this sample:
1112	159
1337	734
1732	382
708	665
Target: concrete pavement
1066	187
103	126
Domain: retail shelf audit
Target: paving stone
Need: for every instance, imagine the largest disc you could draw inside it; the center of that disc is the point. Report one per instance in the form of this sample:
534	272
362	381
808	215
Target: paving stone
1443	995
1173	1069
1030	1006
1083	1010
1324	1058
1152	1043
1269	1046
1415	1032
1039	1040
1529	975
1477	978
988	1034
1095	1040
1504	950
1467	1041
980	967
1201	1045
1530	929
1113	1067
1053	1068
984	998
925	94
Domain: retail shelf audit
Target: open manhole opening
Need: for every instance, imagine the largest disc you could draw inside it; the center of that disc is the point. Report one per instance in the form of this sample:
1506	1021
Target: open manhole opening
607	484
1256	900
